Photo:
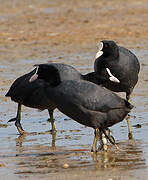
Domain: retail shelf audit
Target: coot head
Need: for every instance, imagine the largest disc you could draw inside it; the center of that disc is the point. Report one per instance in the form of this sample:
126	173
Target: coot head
47	72
107	48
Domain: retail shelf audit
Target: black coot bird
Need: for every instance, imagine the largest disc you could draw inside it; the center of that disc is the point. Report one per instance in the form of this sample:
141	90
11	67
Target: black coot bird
33	95
116	68
83	101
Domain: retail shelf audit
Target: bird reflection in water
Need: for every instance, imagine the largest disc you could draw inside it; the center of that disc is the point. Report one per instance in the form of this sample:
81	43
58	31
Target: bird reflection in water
130	156
22	138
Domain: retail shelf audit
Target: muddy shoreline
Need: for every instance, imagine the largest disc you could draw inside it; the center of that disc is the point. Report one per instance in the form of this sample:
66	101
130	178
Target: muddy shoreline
68	31
30	29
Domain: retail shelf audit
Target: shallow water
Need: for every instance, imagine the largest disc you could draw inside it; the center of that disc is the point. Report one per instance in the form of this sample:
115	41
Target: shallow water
42	155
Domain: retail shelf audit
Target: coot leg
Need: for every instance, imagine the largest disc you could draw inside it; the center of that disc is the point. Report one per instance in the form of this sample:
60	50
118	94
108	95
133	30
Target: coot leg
96	136
52	121
130	136
17	120
18	116
110	138
19	127
53	139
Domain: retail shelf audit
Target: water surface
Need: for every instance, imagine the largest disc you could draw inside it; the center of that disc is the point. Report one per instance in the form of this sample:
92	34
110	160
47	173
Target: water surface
43	155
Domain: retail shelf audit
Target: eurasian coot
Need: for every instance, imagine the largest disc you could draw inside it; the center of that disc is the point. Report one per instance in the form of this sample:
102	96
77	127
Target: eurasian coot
32	94
116	68
83	101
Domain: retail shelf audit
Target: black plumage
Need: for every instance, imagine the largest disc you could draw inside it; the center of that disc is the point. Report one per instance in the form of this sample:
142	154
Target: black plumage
29	94
117	69
32	94
121	63
83	101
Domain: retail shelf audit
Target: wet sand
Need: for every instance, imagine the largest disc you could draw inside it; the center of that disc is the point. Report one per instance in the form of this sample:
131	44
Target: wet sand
68	31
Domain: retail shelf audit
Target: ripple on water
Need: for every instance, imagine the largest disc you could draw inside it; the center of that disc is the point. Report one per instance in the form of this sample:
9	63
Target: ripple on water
44	154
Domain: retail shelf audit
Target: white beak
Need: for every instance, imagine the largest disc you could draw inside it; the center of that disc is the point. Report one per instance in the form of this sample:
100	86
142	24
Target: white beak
100	52
35	76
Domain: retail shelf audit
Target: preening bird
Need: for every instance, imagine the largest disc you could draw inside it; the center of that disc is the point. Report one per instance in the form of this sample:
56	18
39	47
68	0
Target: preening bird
32	94
83	101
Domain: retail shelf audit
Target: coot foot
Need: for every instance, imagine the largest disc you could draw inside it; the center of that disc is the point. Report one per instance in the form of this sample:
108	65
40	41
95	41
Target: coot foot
130	136
103	141
18	116
110	138
19	127
13	119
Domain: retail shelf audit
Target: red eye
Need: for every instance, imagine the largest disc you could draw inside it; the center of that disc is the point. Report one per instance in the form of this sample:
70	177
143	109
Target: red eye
105	45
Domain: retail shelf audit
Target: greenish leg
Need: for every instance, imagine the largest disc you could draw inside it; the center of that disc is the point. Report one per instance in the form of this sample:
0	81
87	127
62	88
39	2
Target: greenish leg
18	119
53	139
19	112
18	116
94	148
52	121
130	136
